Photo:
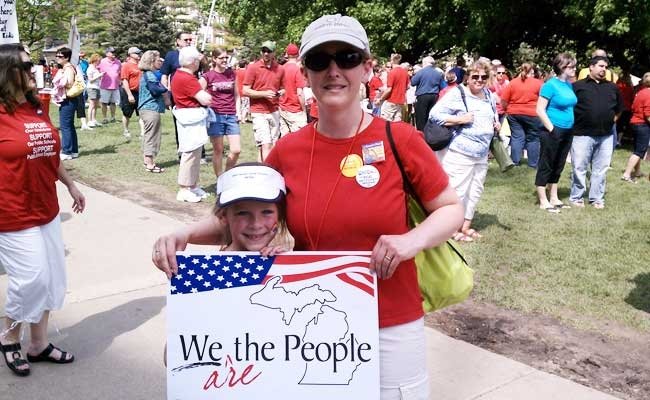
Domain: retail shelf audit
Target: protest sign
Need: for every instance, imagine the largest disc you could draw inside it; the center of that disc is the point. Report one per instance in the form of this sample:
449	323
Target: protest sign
300	325
8	22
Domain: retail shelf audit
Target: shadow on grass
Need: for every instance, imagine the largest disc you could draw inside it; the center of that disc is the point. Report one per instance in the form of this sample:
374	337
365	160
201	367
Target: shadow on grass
639	297
167	164
482	221
111	148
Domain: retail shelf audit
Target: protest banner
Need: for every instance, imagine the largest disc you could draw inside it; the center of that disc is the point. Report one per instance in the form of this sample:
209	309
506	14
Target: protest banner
300	325
8	22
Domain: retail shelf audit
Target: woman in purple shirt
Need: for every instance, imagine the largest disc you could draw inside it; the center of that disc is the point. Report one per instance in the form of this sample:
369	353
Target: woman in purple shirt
219	81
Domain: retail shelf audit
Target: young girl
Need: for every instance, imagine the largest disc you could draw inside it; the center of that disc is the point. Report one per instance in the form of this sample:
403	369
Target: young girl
251	205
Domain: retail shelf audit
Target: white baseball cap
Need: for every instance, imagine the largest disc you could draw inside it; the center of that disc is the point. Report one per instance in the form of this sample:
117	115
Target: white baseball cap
250	182
334	28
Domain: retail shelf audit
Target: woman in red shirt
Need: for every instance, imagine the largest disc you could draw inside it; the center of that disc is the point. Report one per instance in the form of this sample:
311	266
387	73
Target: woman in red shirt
325	200
640	123
31	246
519	100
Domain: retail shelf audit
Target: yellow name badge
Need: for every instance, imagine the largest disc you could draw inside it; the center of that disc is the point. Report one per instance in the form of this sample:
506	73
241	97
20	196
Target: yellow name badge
373	152
350	164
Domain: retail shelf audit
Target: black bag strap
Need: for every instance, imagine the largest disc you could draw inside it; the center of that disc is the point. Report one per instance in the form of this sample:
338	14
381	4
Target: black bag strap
462	96
408	186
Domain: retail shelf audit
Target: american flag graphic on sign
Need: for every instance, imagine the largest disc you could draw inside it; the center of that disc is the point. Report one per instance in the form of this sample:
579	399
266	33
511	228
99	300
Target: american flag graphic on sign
201	273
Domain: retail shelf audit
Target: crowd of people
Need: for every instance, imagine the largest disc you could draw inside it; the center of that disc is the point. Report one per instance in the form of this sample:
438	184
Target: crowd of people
532	108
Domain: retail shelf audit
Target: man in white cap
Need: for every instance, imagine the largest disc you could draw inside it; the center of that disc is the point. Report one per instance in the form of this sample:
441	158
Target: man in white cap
130	79
264	84
110	83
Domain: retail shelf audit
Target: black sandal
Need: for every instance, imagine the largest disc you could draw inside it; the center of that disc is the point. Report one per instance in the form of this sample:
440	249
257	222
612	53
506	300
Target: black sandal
46	355
18	359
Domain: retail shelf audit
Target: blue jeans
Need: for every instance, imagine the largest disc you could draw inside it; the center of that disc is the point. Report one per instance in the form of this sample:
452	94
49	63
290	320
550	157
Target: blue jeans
596	150
524	131
226	124
69	143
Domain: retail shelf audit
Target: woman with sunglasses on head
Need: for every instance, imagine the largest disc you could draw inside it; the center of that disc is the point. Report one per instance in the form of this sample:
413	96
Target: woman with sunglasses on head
343	196
555	110
474	122
31	246
63	81
519	100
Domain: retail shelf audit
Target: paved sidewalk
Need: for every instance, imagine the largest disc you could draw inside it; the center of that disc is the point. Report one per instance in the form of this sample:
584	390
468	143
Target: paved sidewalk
114	323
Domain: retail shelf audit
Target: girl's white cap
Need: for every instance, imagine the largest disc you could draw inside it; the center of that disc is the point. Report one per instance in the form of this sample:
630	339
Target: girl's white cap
250	182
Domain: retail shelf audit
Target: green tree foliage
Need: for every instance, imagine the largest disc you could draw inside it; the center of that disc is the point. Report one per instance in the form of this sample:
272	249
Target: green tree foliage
94	22
140	23
496	28
42	19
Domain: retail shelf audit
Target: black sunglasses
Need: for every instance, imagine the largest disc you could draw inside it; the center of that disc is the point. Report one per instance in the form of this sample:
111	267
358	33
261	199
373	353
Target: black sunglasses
188	40
476	77
500	72
344	59
266	50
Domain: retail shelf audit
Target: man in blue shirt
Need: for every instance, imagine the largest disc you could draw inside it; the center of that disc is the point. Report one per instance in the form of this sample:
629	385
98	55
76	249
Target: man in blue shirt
427	83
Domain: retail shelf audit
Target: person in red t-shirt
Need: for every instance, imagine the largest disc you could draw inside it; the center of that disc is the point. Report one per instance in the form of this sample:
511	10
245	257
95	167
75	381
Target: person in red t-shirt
519	100
130	84
31	245
292	104
190	123
394	98
264	83
640	122
374	89
330	207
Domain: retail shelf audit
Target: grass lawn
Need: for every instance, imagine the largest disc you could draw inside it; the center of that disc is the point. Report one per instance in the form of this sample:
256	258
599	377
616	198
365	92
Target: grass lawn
584	266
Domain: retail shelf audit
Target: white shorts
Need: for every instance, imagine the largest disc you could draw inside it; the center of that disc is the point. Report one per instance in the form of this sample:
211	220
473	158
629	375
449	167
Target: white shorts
402	362
34	260
266	127
391	111
109	96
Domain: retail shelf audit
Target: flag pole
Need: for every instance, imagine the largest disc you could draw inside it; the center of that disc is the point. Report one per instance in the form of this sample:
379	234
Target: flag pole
205	33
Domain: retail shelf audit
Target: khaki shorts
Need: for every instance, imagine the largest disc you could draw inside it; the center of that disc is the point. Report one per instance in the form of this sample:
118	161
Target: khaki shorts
291	121
266	127
109	96
391	111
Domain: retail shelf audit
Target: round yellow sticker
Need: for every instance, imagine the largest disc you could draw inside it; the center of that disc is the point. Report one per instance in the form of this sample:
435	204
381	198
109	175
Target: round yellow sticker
350	164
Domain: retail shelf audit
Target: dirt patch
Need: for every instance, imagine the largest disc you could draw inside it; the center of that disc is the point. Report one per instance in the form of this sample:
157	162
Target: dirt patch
151	196
615	360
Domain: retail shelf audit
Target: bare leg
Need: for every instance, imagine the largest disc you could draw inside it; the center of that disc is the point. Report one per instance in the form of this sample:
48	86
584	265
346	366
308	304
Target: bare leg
11	337
265	149
112	110
541	194
554	199
234	144
631	165
217	154
104	116
39	339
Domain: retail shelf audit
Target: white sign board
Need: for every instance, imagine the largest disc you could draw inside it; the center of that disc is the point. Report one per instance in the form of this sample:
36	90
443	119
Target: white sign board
8	22
301	325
